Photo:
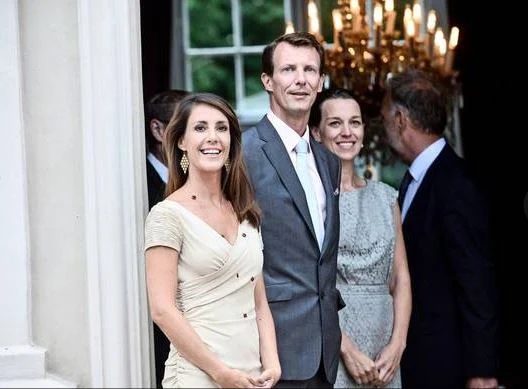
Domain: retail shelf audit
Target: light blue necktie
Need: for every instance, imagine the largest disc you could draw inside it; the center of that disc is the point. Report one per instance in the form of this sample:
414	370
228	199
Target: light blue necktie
303	173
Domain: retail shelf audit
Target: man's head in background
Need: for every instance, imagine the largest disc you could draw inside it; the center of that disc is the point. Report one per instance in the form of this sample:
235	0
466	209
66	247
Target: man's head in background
158	111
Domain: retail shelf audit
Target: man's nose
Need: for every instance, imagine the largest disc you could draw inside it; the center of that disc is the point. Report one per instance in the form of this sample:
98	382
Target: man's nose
300	77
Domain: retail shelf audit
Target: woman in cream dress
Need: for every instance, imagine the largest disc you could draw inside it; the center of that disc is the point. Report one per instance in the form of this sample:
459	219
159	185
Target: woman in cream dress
204	257
372	277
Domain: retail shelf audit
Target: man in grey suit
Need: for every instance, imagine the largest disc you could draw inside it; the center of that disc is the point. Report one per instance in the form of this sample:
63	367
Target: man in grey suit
300	227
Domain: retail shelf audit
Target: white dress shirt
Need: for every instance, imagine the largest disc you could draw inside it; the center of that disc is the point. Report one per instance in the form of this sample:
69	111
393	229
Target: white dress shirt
160	168
418	168
290	139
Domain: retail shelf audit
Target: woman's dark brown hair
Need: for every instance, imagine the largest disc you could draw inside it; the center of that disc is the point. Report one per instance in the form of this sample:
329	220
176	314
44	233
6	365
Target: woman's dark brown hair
236	185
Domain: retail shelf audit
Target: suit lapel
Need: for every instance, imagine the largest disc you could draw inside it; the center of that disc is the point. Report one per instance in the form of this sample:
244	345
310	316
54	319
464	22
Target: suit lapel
280	160
424	190
321	160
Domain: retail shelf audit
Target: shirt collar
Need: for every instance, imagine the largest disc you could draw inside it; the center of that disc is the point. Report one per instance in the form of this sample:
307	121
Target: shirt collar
289	137
424	160
160	168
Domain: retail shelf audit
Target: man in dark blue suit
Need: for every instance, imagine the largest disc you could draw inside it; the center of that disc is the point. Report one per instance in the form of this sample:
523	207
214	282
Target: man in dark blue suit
452	339
296	181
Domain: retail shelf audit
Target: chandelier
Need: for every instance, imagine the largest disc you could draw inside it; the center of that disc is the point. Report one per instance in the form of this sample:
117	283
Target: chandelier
367	49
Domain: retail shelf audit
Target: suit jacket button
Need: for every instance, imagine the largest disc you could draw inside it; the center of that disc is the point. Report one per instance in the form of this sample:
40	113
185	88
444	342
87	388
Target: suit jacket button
252	279
245	314
244	234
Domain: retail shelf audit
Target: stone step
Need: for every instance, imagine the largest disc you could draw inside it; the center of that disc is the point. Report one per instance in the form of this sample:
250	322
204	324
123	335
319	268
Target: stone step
49	381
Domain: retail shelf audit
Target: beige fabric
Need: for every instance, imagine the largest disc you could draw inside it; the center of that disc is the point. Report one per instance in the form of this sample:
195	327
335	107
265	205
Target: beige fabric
216	282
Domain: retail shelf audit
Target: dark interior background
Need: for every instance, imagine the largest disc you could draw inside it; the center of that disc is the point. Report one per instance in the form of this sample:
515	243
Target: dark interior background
490	121
492	130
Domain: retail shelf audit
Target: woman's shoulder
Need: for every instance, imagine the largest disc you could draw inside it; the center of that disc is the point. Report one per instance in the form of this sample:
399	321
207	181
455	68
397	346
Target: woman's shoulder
382	190
163	226
164	211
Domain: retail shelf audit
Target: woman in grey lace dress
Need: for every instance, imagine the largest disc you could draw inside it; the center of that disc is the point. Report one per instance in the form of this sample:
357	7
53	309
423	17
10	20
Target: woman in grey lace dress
373	277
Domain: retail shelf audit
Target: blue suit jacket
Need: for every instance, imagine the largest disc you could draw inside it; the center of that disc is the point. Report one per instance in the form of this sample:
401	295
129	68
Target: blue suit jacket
300	279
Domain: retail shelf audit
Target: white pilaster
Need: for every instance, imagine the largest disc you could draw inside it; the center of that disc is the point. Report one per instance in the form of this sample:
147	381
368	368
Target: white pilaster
21	363
115	195
14	225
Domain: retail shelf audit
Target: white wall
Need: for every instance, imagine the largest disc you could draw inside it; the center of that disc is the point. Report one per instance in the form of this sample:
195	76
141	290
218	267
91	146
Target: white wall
51	95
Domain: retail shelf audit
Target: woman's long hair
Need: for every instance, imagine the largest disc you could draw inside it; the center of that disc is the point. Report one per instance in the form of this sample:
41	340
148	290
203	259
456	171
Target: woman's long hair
236	185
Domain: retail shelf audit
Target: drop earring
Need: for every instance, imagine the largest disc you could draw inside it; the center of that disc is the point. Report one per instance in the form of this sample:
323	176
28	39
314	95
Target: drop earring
228	165
184	162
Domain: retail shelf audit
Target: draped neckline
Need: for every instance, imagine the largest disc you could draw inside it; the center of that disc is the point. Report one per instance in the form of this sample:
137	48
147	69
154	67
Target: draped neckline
207	225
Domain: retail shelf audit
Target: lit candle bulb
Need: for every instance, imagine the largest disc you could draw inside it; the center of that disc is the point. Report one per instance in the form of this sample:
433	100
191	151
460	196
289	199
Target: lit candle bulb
289	27
338	26
313	18
417	17
431	21
378	14
450	55
438	37
378	21
390	17
429	38
356	15
440	48
407	18
354	6
312	9
314	26
410	32
453	38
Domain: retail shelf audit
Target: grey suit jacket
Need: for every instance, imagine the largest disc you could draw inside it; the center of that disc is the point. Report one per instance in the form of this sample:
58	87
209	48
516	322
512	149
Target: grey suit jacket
300	279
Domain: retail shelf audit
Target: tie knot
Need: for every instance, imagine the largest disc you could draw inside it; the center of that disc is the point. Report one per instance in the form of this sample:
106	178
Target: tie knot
404	185
407	177
302	147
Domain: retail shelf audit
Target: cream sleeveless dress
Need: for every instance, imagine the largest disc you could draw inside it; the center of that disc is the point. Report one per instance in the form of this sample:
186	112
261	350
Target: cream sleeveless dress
216	283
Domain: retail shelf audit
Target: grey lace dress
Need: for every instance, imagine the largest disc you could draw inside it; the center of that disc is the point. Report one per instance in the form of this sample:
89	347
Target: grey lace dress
365	259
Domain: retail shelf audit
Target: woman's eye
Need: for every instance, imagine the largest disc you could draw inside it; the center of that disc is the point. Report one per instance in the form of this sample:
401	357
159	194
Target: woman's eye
356	123
223	128
199	128
334	124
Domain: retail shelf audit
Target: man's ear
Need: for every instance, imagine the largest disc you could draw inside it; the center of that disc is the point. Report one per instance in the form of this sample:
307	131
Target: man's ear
321	83
400	119
157	128
316	133
267	82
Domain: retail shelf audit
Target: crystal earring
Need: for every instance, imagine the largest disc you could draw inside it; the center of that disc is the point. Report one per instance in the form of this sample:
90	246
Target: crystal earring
228	164
184	162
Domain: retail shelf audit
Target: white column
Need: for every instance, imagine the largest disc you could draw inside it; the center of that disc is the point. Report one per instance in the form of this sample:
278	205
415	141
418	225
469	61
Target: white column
115	191
15	298
21	363
14	239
